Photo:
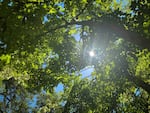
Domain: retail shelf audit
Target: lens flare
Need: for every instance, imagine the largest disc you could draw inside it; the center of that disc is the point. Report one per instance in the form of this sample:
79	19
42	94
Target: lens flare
91	53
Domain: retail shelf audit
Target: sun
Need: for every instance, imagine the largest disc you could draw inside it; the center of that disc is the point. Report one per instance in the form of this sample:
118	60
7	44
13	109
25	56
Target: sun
91	53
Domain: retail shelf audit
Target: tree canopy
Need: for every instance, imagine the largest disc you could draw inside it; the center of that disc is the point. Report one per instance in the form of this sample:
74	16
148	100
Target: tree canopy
39	50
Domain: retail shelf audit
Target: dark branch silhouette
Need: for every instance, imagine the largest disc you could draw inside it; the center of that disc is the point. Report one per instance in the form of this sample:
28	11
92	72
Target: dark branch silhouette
114	28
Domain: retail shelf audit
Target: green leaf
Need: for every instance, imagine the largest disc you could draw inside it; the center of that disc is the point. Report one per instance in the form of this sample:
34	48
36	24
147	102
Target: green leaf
52	10
6	58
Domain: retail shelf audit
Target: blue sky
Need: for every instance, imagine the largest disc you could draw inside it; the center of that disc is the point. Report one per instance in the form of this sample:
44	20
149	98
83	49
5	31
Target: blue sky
86	72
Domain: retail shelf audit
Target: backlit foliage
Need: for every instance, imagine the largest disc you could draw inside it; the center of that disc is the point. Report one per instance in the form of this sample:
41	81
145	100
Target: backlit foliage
39	50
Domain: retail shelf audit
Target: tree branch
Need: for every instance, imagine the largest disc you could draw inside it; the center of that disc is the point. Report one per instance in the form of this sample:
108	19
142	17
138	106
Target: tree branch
1	111
114	28
139	82
127	35
124	64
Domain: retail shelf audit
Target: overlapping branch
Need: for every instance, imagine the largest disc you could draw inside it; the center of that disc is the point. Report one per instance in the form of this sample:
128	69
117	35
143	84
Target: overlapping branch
118	30
115	28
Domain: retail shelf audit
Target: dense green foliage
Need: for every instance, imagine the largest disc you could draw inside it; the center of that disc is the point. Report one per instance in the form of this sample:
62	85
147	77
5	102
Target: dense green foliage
39	50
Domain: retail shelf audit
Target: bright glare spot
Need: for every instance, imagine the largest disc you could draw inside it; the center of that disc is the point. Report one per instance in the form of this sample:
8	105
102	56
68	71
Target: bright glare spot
91	53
